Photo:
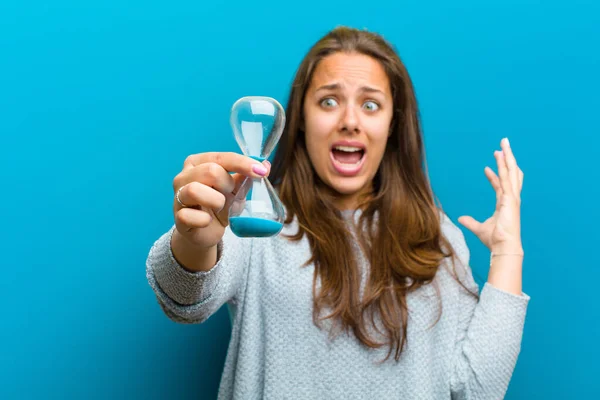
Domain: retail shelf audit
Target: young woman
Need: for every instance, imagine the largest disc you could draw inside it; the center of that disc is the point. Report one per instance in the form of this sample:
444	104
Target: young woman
367	292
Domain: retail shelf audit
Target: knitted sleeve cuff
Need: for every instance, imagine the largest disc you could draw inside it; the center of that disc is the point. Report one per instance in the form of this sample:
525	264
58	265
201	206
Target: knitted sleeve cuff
182	286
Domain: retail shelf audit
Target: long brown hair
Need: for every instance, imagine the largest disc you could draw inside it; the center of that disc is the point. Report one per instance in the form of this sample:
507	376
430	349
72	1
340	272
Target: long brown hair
399	227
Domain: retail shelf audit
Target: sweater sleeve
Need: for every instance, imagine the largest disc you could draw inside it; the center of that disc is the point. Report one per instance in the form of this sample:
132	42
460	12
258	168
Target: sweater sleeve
488	335
192	297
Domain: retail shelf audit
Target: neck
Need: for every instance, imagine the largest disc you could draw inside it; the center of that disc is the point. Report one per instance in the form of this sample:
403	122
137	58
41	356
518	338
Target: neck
351	201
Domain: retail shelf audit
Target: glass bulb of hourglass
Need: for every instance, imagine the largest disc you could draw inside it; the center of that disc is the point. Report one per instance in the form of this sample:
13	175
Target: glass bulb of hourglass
257	124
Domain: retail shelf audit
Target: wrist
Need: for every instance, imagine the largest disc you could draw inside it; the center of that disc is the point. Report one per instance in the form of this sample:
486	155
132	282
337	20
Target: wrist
506	269
192	257
508	249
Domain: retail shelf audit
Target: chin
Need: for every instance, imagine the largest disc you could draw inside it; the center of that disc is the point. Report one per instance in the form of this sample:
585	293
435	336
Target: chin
347	186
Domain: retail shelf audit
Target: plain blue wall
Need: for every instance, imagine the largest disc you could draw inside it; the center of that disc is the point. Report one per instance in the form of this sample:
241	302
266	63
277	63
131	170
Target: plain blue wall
100	103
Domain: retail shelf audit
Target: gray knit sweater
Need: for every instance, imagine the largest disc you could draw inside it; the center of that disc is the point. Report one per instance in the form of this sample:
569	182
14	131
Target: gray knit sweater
276	352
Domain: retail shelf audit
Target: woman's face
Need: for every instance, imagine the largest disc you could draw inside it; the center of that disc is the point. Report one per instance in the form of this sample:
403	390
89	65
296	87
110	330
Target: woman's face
348	109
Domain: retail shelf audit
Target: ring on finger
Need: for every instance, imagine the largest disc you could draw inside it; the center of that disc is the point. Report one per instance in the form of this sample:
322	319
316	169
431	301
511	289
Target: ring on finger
178	199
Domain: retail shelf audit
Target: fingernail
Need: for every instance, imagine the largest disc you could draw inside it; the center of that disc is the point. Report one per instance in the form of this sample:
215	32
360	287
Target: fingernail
259	169
268	163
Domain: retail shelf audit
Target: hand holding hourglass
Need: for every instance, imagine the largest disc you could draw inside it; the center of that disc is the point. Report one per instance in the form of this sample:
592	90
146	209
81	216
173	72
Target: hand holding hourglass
206	191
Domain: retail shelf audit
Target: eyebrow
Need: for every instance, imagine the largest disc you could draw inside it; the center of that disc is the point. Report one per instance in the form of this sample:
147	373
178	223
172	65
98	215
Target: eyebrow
336	86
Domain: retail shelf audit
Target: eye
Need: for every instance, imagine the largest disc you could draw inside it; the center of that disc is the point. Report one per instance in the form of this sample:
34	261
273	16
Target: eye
371	106
328	102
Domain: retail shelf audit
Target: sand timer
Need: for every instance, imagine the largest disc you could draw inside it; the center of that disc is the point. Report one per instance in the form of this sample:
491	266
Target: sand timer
257	124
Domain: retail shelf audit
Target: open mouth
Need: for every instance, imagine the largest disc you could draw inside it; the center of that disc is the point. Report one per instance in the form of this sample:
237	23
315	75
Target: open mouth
347	159
348	155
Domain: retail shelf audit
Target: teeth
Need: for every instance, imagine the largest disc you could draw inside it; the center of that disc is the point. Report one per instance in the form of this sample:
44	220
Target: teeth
347	149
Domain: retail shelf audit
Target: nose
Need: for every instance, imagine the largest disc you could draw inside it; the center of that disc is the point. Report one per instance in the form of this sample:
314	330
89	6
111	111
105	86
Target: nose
349	120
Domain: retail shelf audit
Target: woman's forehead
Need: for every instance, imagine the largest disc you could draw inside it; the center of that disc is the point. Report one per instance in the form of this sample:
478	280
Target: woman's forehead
343	71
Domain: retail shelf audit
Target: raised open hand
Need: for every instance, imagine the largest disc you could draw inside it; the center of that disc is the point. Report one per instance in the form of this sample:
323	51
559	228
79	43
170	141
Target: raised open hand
501	232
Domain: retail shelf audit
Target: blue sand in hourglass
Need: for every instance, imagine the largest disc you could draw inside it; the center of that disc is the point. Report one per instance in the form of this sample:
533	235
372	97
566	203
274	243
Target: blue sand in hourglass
254	227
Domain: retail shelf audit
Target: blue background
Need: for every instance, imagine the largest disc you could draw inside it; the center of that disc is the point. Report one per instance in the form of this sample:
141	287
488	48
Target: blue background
100	103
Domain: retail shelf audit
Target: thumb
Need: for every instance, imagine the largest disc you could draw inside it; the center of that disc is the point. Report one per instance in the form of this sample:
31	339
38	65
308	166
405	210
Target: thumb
470	223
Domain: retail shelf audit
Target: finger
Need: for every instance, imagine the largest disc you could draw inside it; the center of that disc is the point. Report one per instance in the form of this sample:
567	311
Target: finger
503	173
231	162
495	182
493	178
196	194
521	176
470	223
210	174
239	178
192	218
241	187
511	164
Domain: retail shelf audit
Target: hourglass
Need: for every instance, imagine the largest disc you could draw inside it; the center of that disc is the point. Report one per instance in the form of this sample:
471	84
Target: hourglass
257	124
